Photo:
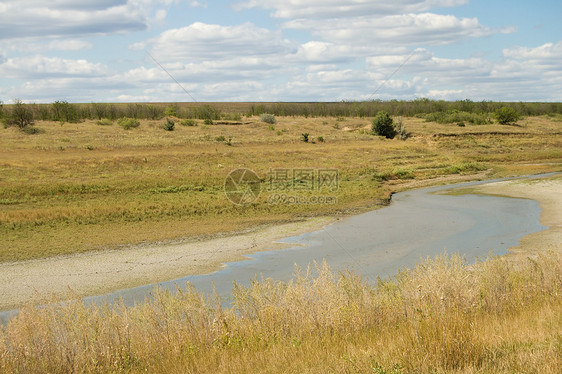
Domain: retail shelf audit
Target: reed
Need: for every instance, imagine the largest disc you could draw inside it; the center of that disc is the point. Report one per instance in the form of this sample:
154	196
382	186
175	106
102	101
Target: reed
442	316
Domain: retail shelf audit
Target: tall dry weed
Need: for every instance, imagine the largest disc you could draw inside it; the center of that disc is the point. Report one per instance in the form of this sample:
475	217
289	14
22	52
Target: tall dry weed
441	316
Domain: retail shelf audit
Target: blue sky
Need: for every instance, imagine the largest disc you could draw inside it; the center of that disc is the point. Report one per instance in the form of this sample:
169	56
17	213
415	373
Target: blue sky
273	50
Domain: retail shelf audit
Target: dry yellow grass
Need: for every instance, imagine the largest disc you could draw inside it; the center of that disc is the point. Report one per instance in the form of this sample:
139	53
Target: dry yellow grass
80	187
442	316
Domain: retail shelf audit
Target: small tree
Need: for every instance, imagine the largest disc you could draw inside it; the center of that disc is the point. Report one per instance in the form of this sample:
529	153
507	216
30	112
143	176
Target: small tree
169	125
63	111
382	125
128	123
171	111
506	115
305	136
20	116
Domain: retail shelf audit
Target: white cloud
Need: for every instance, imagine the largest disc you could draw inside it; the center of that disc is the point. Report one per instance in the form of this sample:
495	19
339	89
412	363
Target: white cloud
201	42
520	73
59	18
44	67
546	52
404	29
28	18
53	45
316	9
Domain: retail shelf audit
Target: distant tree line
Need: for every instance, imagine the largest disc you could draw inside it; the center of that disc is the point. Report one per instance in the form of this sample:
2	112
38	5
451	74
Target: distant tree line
406	108
442	110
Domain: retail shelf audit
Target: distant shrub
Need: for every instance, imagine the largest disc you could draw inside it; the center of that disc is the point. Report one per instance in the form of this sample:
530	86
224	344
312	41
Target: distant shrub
268	118
63	111
154	112
222	138
506	115
304	137
20	116
383	125
32	130
456	116
271	127
461	124
208	121
105	122
128	123
398	173
171	110
169	125
188	122
232	116
401	131
464	167
320	139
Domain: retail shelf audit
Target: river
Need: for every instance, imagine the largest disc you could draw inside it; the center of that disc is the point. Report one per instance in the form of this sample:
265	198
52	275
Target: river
418	223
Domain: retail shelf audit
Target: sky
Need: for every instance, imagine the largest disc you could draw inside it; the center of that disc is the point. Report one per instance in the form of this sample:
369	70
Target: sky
274	50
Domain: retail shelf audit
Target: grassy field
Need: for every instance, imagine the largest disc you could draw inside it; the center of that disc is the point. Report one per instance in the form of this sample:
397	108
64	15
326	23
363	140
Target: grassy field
77	187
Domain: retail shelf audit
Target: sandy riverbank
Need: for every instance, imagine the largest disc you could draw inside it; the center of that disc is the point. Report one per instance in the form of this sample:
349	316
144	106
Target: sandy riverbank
548	192
101	272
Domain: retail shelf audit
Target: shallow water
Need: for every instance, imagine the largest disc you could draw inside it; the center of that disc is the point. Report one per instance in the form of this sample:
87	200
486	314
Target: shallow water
418	224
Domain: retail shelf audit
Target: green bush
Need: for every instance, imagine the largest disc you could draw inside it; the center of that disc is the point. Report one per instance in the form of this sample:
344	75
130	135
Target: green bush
169	125
20	116
63	111
398	173
171	110
188	122
268	118
231	117
383	125
506	115
320	139
32	130
456	116
105	122
222	138
304	137
208	121
128	123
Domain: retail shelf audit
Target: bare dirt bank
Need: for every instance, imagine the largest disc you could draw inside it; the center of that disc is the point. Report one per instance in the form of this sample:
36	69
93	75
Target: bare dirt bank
548	192
101	272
